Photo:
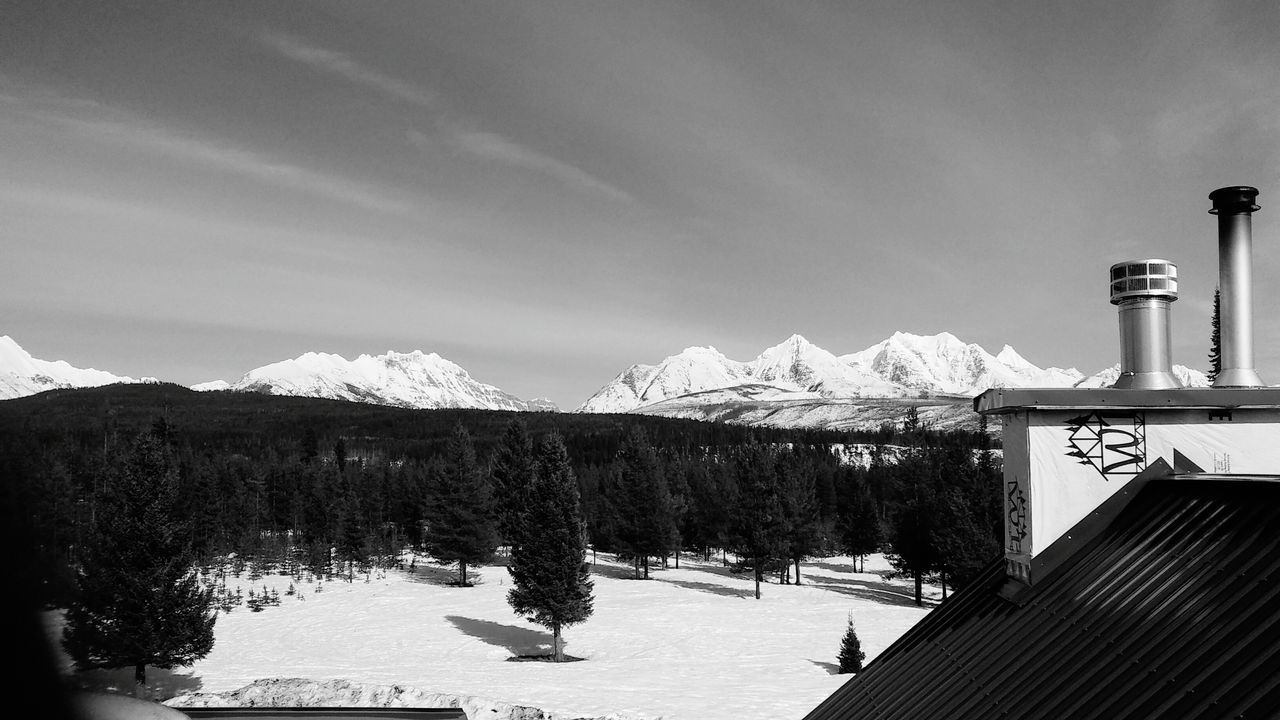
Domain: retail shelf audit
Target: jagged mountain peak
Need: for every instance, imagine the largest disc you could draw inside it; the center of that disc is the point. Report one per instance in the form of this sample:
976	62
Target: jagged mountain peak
1010	357
903	365
413	379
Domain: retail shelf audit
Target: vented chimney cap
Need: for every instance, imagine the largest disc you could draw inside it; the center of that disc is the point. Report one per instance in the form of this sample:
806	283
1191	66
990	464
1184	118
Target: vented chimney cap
1144	279
1234	200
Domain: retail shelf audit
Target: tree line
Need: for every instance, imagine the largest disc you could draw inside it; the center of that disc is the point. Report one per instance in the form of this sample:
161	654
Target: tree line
932	503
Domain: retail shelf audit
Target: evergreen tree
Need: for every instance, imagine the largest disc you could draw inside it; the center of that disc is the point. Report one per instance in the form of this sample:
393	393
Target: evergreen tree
758	527
646	518
512	475
1215	337
549	564
860	528
460	523
851	655
913	545
340	454
802	530
140	602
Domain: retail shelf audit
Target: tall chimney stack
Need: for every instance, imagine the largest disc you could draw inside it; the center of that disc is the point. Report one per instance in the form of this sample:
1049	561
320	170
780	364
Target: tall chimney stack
1234	207
1143	290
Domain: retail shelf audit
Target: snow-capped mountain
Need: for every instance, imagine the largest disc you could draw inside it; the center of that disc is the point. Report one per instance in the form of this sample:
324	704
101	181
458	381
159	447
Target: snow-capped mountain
903	366
692	370
942	364
22	375
1106	378
794	365
414	380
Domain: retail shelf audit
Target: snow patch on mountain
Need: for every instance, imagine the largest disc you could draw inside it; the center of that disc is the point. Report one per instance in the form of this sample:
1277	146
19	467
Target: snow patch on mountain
412	380
22	375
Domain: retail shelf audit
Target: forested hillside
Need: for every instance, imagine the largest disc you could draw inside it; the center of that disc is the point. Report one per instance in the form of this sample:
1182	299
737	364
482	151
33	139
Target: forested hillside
340	487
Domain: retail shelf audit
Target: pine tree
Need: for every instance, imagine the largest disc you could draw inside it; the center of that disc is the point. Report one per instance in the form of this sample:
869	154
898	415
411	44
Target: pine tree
140	602
913	544
460	523
851	655
549	565
803	531
512	475
646	517
860	530
1215	337
757	520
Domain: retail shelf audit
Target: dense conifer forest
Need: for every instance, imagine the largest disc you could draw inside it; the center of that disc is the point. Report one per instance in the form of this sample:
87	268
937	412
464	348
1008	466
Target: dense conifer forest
339	488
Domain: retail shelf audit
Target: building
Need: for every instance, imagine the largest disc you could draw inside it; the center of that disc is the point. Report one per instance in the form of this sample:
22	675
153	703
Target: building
1141	567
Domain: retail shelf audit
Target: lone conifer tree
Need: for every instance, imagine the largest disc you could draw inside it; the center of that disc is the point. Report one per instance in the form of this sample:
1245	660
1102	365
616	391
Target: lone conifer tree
851	655
549	564
460	522
139	600
1215	337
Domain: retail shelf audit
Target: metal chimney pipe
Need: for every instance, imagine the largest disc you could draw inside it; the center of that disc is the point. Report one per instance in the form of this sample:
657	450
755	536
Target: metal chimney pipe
1234	207
1143	290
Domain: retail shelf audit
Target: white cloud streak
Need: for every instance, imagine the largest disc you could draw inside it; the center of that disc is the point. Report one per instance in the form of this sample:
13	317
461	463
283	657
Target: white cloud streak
340	64
494	147
222	156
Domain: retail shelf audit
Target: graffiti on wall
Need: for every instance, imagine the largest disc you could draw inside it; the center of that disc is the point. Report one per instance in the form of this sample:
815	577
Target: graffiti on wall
1015	506
1113	443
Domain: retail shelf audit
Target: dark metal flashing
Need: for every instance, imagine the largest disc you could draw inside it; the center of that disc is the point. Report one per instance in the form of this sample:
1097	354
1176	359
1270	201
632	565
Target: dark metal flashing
1007	400
1172	610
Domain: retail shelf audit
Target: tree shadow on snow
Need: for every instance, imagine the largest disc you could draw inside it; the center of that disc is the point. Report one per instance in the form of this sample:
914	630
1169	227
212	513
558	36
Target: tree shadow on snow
161	684
832	567
517	640
616	572
715	568
831	668
712	588
437	575
880	592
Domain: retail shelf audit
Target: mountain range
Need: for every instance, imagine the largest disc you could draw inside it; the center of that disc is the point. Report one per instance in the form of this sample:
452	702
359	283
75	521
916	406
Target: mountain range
794	383
904	366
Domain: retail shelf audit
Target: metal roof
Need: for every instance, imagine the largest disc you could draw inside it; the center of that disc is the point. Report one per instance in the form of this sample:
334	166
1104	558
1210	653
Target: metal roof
1171	611
1006	400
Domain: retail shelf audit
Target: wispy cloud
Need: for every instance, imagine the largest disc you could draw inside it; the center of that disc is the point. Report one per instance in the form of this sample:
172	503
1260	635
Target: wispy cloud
99	124
496	148
341	64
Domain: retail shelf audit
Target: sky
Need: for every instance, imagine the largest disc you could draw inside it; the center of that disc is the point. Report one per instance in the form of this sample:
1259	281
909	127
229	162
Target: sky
546	193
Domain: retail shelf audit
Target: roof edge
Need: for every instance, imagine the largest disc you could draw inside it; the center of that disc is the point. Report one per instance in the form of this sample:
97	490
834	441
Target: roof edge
1006	400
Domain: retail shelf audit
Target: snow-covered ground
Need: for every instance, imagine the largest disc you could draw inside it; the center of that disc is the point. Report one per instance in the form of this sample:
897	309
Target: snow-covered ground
689	643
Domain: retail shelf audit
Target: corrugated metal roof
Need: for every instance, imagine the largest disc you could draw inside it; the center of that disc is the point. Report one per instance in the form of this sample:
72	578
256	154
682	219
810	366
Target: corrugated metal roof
1172	611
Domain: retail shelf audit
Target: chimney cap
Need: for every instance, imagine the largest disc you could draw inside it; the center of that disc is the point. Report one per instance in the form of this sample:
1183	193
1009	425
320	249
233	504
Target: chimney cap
1151	277
1234	200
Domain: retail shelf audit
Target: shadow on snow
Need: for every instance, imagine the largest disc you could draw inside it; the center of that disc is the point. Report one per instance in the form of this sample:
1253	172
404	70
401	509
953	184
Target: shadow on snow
161	684
517	640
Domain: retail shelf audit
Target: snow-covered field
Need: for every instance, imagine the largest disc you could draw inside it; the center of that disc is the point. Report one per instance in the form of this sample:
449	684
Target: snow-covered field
689	643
